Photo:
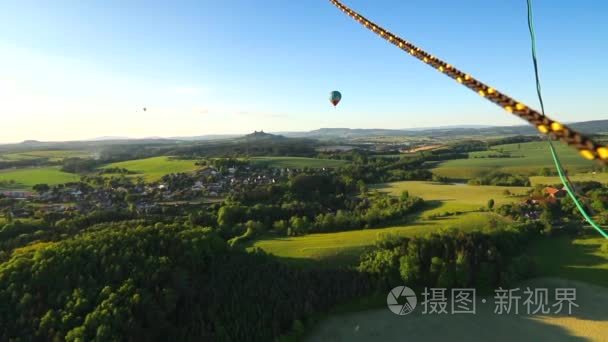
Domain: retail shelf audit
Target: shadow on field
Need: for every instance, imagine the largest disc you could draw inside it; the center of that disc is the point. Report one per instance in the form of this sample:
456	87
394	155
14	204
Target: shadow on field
561	257
564	261
588	322
433	204
592	300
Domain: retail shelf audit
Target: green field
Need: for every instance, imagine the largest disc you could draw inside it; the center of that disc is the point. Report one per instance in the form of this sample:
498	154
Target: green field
26	178
527	158
584	258
153	169
601	177
297	162
451	197
345	247
53	155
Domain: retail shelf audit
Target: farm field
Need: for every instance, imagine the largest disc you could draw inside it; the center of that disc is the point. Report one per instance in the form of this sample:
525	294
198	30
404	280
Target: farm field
153	169
28	177
345	247
588	322
527	158
297	162
454	197
601	177
53	155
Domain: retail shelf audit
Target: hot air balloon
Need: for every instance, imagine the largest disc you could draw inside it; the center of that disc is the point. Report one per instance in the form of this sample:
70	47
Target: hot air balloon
335	97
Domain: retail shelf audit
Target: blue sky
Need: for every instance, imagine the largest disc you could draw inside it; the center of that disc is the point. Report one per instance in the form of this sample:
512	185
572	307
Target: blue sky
81	69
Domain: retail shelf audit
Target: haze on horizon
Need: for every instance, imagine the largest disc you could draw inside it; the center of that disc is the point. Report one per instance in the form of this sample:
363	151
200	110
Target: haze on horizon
73	70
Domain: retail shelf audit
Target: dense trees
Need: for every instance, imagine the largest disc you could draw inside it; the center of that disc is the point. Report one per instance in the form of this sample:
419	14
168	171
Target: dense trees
327	206
454	258
79	165
150	283
267	145
513	140
41	188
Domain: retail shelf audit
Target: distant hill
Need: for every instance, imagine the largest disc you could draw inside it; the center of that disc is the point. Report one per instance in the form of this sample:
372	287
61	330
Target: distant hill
109	138
254	144
588	127
261	136
30	142
208	137
591	127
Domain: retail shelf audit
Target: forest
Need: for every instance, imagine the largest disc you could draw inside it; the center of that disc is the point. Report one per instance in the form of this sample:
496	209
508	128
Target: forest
127	281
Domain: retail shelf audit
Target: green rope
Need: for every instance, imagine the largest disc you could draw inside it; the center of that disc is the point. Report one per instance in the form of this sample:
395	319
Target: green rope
579	206
558	165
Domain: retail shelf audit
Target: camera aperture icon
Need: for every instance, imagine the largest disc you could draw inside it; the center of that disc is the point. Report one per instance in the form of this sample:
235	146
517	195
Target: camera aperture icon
401	300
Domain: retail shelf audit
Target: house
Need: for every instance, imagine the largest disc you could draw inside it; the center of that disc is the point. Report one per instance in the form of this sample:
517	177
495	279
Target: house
76	193
554	193
17	194
198	185
217	187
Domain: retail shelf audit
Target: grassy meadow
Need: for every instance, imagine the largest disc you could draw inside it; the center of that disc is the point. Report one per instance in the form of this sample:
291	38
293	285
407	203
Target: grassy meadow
526	158
28	177
345	247
601	177
297	162
153	169
454	197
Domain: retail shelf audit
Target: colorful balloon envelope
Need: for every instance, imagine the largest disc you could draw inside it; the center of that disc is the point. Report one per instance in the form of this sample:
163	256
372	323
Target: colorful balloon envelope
335	97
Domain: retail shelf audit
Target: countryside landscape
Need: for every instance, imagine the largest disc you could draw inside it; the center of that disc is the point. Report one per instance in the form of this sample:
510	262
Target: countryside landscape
285	171
342	207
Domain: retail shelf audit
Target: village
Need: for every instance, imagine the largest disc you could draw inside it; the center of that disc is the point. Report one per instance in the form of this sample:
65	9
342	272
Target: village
209	184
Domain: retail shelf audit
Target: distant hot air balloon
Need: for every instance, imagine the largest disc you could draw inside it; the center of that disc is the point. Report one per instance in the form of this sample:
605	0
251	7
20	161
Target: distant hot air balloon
145	109
335	97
